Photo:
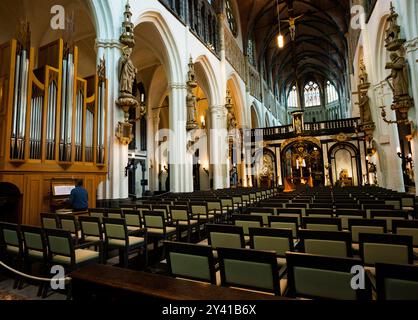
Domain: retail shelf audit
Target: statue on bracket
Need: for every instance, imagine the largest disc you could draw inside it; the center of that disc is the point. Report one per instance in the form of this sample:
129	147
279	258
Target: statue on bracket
191	99
399	75
364	106
127	73
231	120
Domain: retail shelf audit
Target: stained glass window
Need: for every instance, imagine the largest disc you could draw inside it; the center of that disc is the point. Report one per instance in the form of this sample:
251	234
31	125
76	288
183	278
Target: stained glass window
312	95
231	17
332	94
292	99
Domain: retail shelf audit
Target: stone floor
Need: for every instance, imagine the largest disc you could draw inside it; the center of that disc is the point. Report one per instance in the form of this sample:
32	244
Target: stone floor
28	292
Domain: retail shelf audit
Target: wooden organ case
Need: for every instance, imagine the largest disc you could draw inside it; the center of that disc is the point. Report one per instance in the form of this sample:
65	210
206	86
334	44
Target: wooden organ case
52	124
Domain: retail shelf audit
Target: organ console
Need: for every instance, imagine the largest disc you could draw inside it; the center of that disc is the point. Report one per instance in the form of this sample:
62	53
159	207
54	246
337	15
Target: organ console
52	121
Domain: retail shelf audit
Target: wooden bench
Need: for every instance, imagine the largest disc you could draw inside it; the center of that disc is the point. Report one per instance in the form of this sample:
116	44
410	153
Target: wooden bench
102	282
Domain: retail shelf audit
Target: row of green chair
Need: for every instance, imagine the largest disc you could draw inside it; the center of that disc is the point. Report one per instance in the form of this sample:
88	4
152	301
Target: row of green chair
309	276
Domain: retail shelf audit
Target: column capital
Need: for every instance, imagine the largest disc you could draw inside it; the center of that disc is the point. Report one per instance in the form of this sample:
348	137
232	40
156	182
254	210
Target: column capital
218	110
177	86
108	43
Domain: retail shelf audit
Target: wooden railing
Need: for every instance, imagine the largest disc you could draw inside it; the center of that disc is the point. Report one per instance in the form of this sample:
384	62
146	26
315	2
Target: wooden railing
311	129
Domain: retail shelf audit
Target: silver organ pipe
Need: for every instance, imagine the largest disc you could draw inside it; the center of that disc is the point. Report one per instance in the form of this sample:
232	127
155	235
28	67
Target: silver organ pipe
101	124
89	135
50	126
66	109
17	150
36	126
79	127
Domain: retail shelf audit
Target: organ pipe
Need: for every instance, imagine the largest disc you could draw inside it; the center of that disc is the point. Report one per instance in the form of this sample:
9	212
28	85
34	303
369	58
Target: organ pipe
53	114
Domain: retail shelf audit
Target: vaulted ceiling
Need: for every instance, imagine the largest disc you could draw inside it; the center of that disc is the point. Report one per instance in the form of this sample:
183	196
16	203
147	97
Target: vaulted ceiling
320	48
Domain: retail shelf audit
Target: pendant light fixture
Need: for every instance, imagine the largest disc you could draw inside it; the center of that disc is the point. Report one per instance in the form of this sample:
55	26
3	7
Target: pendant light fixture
280	38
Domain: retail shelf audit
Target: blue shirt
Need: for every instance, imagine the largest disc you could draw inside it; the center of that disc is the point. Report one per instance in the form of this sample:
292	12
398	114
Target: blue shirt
79	198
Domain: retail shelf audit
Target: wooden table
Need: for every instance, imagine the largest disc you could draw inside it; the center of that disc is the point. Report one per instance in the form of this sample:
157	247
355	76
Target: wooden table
102	282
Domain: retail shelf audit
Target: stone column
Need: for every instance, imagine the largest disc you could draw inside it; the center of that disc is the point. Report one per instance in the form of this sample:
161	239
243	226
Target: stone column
154	120
116	185
181	169
219	147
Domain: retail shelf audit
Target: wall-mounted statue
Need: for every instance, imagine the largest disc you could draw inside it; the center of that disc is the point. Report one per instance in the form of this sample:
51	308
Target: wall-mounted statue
191	100
364	106
363	76
399	76
231	120
127	72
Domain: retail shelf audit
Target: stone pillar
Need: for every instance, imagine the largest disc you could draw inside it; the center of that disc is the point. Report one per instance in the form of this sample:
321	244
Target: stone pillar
219	147
181	168
116	185
154	120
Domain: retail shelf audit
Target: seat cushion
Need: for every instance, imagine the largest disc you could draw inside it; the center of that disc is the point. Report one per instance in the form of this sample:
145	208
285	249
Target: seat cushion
186	223
133	241
36	254
132	229
158	231
12	249
81	256
92	239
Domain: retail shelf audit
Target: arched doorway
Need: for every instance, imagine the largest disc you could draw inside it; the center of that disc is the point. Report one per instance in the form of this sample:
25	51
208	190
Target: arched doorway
302	164
10	203
345	159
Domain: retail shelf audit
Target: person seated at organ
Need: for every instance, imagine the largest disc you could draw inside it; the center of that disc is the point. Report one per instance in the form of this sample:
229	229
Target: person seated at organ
79	198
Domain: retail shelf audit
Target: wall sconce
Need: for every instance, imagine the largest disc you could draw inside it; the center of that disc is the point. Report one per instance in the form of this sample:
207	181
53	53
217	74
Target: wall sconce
206	168
202	122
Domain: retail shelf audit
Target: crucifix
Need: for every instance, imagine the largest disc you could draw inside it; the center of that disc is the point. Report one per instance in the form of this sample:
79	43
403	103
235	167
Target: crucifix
292	25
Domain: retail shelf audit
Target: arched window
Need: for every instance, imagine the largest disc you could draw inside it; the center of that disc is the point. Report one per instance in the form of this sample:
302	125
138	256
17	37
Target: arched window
251	51
292	99
231	18
312	95
332	94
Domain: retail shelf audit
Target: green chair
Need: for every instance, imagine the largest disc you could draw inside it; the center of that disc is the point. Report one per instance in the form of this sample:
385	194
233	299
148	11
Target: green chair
322	224
35	251
385	248
199	210
291	212
357	226
91	229
247	221
134	221
389	216
320	213
215	208
407	228
99	213
325	243
319	277
345	214
158	228
117	237
396	282
180	215
225	236
277	240
115	213
190	261
250	269
165	209
265	213
290	223
62	251
49	221
11	247
69	222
